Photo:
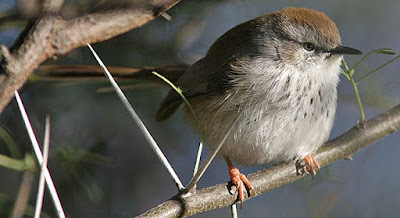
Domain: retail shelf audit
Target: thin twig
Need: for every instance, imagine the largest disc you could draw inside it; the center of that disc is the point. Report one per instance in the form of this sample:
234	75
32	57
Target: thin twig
181	94
208	160
349	75
39	197
362	59
23	195
50	35
56	73
198	158
139	123
234	211
358	97
38	153
267	179
203	132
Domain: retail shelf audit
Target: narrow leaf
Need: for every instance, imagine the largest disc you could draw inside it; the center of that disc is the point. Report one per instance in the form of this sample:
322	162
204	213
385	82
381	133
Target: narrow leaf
385	51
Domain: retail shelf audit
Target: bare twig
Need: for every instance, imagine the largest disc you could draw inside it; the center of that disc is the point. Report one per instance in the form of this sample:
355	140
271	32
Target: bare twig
208	160
51	35
39	157
234	211
94	72
153	144
23	194
343	146
39	196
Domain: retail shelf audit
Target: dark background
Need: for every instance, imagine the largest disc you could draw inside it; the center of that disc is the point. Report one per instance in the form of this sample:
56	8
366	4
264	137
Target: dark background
102	166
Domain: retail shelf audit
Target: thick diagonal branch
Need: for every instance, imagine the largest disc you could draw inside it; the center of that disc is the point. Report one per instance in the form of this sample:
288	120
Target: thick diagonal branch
339	148
50	35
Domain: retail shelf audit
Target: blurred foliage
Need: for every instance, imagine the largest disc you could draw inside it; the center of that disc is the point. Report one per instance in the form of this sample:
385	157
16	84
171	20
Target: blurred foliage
10	143
6	207
77	164
159	43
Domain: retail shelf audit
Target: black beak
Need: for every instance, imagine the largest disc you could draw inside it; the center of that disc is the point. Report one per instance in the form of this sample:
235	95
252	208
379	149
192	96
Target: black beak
345	50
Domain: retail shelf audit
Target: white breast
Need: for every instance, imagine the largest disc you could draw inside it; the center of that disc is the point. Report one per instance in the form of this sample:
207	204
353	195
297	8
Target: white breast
282	116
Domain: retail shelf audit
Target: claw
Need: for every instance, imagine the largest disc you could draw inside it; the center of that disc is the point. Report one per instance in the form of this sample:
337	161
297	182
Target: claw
311	165
239	180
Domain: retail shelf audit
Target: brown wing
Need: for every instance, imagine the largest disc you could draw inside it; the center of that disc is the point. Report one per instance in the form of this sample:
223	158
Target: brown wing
194	83
209	75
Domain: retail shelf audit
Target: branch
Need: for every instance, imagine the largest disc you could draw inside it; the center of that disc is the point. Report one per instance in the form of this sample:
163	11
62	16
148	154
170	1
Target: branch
94	72
339	148
52	6
23	194
51	35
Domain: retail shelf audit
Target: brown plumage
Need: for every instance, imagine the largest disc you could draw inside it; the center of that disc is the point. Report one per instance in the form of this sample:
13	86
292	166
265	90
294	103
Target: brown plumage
314	19
263	78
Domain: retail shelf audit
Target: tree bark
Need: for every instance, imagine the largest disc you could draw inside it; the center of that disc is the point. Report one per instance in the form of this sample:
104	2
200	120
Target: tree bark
264	180
50	35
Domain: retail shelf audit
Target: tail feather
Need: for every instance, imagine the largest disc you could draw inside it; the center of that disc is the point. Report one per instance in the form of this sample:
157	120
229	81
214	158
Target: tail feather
168	107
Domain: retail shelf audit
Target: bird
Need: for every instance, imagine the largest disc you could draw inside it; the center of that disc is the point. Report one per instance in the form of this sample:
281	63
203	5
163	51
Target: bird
274	80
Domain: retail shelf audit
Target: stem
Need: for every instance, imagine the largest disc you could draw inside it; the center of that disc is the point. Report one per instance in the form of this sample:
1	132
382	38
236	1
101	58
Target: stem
203	132
39	157
152	143
349	76
16	164
345	145
198	158
10	143
346	66
208	160
362	59
40	193
358	100
376	69
180	93
345	74
234	211
24	192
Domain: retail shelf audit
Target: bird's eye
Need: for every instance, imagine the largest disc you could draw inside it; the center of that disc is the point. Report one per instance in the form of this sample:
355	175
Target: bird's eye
309	46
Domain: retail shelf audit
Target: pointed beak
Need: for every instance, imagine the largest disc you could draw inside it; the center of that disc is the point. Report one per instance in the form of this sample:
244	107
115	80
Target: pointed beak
345	50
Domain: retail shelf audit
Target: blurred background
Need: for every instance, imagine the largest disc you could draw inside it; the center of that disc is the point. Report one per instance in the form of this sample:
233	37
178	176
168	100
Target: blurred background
102	166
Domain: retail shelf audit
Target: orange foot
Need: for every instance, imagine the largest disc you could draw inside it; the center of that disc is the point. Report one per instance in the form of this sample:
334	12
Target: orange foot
311	165
239	180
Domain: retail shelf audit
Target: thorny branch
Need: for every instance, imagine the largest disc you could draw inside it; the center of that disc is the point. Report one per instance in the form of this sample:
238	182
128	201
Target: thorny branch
339	148
50	35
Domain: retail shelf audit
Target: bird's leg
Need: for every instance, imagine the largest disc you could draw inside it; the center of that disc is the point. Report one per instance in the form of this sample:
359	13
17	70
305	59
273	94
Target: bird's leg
238	179
311	165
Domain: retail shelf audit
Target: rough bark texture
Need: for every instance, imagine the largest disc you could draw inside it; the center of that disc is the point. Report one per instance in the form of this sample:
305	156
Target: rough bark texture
339	148
50	35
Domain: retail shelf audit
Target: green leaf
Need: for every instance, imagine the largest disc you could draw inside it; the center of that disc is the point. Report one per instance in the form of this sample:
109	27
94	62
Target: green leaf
386	51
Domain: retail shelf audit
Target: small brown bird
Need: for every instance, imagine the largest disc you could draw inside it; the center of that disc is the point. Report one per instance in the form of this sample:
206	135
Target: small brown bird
277	75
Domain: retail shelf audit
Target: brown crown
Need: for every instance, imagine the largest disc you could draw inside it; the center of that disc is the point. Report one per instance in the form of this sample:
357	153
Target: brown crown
314	19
